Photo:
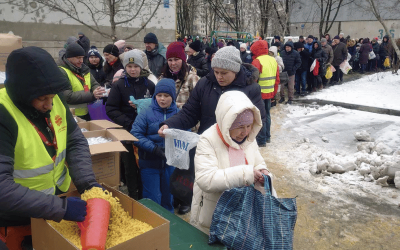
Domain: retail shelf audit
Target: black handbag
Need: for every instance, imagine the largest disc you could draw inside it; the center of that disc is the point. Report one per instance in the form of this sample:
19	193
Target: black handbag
181	181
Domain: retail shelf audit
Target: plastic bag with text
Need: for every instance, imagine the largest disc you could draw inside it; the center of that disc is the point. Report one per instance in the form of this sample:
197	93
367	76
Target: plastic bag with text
177	146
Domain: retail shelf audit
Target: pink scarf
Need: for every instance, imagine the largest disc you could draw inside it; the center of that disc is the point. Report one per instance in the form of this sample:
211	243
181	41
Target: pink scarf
236	156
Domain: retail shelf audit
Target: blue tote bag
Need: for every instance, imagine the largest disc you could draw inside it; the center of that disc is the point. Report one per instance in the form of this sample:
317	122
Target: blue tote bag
247	219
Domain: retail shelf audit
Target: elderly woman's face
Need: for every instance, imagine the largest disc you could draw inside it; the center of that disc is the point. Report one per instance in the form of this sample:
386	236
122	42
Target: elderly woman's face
224	76
238	134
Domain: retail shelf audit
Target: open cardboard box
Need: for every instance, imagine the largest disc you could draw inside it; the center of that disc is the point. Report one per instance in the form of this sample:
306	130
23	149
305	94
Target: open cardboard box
45	237
98	125
105	156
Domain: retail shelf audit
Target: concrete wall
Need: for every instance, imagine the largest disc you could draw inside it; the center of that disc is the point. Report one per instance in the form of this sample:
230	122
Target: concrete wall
49	30
356	29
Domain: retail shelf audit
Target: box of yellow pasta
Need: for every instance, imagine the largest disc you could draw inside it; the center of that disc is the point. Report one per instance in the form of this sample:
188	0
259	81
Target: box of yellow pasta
132	226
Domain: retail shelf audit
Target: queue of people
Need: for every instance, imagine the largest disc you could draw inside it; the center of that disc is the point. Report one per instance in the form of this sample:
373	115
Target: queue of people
223	94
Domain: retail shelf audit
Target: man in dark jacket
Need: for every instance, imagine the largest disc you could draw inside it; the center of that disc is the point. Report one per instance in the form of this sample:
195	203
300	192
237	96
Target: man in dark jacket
203	100
155	53
36	127
85	43
373	63
83	88
113	64
95	63
339	56
309	44
277	43
318	54
292	61
301	40
197	58
301	72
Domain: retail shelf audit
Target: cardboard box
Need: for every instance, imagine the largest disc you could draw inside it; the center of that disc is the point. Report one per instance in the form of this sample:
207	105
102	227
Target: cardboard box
45	237
8	43
78	120
105	156
98	125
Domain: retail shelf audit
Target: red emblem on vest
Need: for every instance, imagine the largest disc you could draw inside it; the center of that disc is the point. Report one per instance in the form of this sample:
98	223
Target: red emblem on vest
58	120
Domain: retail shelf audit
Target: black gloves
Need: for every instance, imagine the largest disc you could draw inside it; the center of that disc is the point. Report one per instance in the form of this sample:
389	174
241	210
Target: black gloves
160	152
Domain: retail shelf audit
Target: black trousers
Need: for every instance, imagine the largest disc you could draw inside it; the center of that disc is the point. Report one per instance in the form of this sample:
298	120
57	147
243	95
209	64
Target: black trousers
132	173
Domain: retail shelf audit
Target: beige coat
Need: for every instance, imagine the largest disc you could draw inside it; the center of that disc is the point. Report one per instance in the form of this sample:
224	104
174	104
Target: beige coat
213	172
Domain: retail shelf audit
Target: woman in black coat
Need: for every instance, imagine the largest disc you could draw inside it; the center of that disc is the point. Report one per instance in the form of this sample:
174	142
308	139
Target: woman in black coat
366	47
203	100
318	54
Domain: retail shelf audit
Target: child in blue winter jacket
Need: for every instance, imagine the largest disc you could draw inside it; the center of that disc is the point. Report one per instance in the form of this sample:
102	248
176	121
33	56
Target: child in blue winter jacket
155	173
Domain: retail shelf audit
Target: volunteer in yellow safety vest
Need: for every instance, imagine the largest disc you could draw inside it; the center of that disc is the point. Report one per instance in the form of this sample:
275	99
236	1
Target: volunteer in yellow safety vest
41	146
269	82
83	87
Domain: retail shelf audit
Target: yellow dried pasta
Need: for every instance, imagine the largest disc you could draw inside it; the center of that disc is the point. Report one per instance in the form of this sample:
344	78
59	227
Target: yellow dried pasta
122	226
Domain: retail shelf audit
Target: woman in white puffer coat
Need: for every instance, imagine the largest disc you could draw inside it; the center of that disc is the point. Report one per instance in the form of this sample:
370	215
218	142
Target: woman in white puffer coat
227	156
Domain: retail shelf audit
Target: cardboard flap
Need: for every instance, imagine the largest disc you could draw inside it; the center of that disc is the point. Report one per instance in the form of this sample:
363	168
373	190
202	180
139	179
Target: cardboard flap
122	135
108	147
106	124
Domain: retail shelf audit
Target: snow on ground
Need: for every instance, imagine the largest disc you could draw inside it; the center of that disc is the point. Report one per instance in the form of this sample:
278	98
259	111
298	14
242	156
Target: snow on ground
324	152
378	90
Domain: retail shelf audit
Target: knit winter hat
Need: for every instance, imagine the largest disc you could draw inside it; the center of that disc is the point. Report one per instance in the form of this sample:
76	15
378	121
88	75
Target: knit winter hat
243	45
220	45
94	52
74	50
336	37
244	118
150	38
133	57
196	45
111	49
177	50
277	37
166	85
120	44
310	36
323	40
227	58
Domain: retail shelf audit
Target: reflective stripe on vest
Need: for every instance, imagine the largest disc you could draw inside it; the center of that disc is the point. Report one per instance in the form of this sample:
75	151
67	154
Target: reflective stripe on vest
33	166
80	109
268	75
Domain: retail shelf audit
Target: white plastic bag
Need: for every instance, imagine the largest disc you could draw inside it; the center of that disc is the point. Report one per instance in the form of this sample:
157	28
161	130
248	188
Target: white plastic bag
313	65
371	55
177	146
345	67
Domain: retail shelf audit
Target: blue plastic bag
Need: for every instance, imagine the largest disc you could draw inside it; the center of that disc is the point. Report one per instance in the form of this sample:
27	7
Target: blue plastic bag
247	219
141	104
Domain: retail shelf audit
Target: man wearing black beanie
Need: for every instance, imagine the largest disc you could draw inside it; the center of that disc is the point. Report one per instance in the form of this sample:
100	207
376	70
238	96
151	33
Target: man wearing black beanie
197	58
112	64
156	54
83	87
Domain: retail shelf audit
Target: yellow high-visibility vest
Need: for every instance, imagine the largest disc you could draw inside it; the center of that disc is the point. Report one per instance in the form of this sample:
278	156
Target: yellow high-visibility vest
34	168
268	75
80	109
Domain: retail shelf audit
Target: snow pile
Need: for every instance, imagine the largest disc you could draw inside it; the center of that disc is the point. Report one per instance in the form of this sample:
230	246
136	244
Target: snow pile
360	157
377	90
2	77
97	140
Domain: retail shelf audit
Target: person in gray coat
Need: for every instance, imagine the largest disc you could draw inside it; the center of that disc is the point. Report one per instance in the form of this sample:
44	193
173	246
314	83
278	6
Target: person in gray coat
33	86
329	51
